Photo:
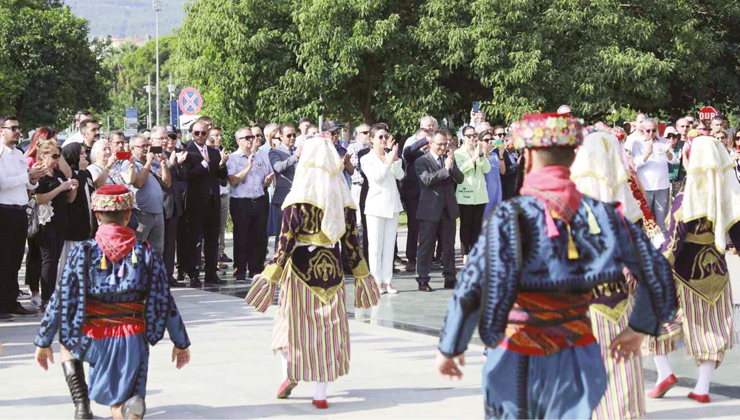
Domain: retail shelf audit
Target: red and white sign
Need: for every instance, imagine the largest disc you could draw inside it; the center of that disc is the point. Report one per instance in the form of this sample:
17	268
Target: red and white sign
190	101
707	113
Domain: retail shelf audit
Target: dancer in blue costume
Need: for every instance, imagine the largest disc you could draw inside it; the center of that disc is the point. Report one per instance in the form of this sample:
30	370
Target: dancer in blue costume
528	283
113	303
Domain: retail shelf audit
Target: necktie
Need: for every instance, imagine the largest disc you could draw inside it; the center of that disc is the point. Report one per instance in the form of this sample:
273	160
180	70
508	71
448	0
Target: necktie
441	161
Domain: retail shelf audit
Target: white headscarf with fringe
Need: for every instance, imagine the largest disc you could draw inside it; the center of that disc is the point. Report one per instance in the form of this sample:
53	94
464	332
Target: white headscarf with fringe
712	190
598	172
319	180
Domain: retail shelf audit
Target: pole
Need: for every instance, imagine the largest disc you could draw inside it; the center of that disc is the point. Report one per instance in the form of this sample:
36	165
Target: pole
149	102
157	8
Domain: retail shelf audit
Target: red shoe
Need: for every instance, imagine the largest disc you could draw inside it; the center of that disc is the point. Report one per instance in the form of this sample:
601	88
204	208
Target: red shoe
699	398
663	387
285	389
321	404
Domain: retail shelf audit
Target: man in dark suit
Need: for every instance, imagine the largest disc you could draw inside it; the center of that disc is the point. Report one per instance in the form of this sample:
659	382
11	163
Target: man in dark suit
206	166
284	160
174	237
438	176
410	193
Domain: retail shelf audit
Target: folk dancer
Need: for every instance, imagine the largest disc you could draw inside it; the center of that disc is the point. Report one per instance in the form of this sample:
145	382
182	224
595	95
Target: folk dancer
528	282
113	303
599	172
311	331
703	214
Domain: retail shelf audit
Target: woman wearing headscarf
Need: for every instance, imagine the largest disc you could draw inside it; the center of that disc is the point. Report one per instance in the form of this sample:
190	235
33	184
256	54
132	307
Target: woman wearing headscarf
599	172
703	214
311	331
81	224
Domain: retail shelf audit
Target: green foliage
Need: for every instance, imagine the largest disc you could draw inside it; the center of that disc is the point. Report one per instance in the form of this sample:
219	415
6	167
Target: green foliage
48	67
131	68
397	60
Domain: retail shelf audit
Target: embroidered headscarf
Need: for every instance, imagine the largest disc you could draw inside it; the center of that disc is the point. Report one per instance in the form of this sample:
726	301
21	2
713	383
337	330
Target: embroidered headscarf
598	172
712	190
319	181
115	241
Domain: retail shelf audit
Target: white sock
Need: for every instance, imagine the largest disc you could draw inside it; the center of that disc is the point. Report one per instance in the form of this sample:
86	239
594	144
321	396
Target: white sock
284	364
320	393
705	375
664	368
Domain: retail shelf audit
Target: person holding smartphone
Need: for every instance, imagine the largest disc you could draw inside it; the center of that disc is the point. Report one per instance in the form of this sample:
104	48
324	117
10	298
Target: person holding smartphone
146	173
652	157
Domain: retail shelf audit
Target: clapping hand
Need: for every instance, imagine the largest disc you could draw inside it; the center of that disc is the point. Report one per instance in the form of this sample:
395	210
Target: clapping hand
37	171
181	157
269	178
73	184
251	161
224	158
393	155
450	160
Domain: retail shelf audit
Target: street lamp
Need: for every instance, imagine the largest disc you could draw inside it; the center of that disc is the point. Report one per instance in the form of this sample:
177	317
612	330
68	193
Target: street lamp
157	6
148	89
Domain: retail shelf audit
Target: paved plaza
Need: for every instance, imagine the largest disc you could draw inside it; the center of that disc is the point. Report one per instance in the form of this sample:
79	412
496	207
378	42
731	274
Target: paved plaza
233	374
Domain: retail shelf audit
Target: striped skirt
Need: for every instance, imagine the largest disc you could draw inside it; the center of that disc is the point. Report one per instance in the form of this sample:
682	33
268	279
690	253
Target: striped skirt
625	394
707	327
314	335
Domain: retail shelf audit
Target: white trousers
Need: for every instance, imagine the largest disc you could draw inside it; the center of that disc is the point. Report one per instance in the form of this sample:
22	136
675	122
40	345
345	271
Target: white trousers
381	241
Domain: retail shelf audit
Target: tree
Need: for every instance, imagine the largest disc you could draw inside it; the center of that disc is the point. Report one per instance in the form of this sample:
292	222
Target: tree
271	60
658	56
48	69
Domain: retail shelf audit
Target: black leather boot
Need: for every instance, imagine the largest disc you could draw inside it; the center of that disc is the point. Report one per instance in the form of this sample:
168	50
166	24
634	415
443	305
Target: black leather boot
75	376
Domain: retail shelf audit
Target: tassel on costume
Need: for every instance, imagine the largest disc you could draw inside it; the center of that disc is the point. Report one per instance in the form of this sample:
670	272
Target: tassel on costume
593	225
103	264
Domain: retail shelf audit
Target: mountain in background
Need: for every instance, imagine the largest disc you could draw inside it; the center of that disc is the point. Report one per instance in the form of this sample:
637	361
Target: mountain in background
128	18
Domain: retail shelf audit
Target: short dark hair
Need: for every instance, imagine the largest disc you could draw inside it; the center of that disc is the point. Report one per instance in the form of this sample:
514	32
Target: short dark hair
496	127
205	119
219	128
483	134
563	156
85	123
439	132
116	133
117	217
304	120
284	126
82	113
467	127
10	117
377	127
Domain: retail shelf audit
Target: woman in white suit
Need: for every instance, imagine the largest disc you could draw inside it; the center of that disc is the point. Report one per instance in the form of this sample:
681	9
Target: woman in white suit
382	167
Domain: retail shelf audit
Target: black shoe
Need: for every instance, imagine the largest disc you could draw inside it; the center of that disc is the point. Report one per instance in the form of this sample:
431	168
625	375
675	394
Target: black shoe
75	376
174	283
425	288
195	284
6	317
450	284
225	259
134	406
181	276
21	311
411	267
214	279
241	278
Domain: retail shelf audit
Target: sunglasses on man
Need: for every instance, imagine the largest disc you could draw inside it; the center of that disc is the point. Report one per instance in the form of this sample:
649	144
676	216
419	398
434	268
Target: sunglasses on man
247	138
200	133
13	128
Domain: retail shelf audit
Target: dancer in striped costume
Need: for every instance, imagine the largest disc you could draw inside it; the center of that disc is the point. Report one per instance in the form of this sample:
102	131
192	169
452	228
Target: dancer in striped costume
599	172
311	331
703	214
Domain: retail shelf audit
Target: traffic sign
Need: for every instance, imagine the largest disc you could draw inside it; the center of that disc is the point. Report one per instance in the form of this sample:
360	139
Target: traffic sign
707	113
175	113
131	125
190	101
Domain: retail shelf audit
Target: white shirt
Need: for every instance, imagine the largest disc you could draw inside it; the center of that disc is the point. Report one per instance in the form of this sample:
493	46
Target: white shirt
75	138
14	177
653	171
203	150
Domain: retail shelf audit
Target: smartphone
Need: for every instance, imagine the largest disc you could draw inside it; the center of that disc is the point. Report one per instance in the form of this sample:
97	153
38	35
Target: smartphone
476	106
123	155
156	150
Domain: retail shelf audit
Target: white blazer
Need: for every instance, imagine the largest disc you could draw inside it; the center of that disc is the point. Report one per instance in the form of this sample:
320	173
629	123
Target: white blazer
383	199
